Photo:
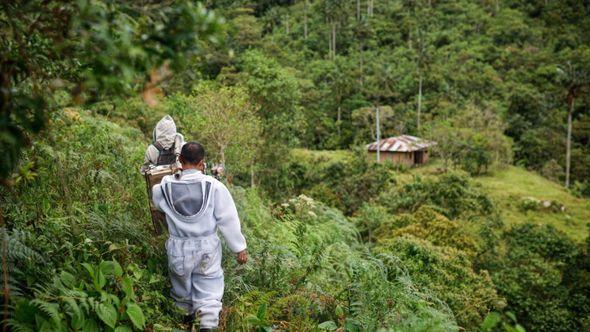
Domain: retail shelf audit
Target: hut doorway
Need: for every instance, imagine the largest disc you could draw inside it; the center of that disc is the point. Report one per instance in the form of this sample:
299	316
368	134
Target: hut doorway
418	157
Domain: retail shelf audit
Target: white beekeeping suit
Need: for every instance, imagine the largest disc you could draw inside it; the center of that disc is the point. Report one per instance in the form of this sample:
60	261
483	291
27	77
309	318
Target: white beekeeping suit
196	206
165	137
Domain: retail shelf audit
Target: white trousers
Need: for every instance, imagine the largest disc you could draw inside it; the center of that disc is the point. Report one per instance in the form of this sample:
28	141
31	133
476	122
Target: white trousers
197	277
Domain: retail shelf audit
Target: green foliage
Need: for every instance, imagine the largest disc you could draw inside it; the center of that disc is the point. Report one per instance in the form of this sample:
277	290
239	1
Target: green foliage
473	140
449	274
427	224
222	118
530	274
451	194
345	183
83	212
102	294
495	321
276	90
90	48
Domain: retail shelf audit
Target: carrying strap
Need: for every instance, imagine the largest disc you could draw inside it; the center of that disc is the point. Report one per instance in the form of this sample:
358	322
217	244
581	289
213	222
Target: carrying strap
165	156
160	148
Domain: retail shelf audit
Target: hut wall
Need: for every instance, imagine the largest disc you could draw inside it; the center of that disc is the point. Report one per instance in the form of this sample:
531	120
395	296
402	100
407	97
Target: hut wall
406	158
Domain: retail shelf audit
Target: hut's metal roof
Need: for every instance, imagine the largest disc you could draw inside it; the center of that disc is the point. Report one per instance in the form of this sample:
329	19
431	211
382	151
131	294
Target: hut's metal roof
403	143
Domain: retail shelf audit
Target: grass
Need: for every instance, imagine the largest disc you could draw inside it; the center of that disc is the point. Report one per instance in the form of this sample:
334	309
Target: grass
509	186
322	158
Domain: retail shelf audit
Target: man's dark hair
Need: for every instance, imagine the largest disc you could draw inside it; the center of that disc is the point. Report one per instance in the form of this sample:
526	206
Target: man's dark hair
192	152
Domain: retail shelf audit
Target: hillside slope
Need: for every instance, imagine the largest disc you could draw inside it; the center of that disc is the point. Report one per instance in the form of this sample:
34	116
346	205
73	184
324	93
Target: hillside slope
509	188
81	250
512	187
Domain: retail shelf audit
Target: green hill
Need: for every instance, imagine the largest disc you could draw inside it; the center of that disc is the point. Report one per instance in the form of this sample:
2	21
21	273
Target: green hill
282	93
511	187
89	253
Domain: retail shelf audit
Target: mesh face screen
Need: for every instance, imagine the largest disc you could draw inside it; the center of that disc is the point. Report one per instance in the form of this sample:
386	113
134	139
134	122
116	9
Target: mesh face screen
188	198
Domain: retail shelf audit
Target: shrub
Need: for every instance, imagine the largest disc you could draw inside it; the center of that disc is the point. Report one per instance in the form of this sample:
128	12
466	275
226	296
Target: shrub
474	140
345	183
309	268
448	273
429	225
97	295
450	194
530	274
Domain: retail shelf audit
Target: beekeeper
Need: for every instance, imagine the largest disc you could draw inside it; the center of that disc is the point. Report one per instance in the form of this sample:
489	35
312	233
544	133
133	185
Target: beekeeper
196	206
166	145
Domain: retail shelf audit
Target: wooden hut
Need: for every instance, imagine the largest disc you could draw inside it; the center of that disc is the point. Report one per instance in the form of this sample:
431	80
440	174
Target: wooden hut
404	149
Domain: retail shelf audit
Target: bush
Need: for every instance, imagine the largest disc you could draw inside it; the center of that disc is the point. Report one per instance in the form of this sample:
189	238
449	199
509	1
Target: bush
530	274
450	194
430	225
309	268
342	182
473	140
448	273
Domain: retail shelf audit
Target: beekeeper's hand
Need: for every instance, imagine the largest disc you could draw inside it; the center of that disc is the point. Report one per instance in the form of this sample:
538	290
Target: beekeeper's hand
242	257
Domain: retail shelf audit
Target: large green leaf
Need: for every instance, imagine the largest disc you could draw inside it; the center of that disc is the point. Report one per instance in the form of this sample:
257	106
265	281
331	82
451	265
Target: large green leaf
89	268
136	315
491	321
90	326
127	287
67	279
99	280
111	268
77	315
108	314
328	325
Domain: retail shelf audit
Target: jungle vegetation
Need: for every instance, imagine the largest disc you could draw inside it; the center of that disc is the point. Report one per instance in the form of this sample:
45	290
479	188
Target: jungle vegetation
492	235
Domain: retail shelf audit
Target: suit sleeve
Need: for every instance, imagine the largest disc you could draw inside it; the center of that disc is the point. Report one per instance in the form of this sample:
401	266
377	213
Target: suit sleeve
150	158
226	216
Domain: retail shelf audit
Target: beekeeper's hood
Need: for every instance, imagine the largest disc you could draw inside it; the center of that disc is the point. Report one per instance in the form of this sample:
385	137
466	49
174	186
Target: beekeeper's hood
165	132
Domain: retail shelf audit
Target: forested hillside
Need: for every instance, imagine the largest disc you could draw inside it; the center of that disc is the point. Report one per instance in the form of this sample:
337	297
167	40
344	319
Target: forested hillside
490	235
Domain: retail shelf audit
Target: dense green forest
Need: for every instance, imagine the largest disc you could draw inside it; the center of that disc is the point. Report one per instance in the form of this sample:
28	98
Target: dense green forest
490	235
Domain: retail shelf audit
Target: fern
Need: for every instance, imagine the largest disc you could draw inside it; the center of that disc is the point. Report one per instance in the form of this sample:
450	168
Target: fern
16	326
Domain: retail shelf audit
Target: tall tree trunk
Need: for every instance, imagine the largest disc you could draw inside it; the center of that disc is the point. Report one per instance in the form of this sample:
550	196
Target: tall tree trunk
378	132
252	181
370	6
5	272
333	40
338	118
358	10
330	45
305	20
287	25
361	62
568	149
419	101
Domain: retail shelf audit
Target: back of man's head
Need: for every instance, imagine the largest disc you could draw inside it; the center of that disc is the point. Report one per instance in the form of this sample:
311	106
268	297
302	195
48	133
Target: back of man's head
192	153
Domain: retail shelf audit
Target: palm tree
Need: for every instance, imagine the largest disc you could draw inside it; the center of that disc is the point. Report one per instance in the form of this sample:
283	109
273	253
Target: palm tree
574	75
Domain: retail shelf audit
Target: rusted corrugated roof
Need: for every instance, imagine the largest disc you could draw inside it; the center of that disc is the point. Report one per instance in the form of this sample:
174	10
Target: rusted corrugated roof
403	143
